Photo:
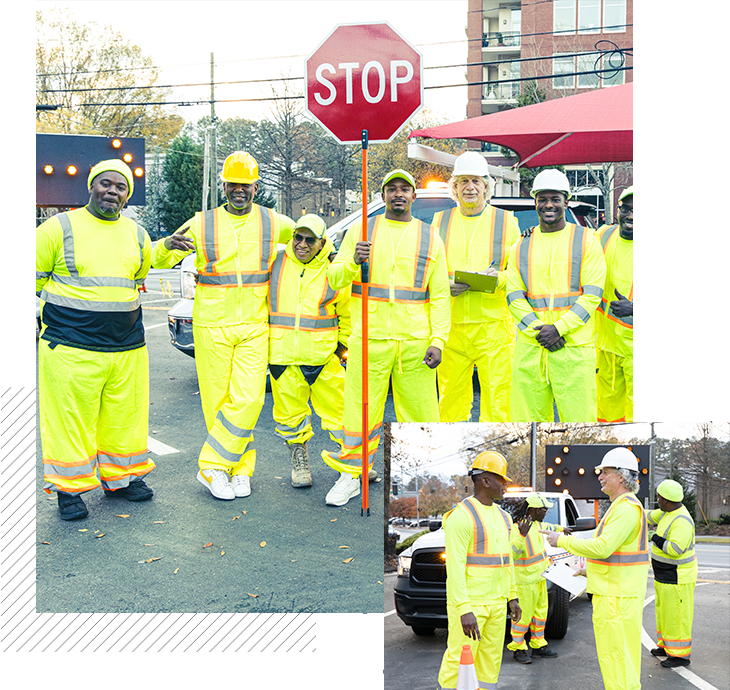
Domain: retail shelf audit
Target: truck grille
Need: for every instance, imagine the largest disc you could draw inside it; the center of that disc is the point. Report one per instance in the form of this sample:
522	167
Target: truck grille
428	567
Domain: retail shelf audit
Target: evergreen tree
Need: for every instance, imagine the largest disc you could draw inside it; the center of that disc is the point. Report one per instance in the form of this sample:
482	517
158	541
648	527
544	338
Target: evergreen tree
183	173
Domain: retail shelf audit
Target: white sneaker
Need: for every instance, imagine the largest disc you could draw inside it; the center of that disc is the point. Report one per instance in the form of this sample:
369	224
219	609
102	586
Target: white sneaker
241	484
218	483
345	488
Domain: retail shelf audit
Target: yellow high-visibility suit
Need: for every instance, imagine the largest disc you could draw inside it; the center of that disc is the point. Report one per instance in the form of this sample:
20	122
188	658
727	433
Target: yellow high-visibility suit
93	370
479	579
307	318
234	255
617	565
409	304
555	278
674	564
530	560
482	332
615	334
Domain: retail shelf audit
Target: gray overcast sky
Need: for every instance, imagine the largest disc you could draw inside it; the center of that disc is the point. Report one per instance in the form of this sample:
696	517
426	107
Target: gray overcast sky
265	40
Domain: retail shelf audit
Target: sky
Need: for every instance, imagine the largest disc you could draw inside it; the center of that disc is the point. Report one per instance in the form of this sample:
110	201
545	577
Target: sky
273	39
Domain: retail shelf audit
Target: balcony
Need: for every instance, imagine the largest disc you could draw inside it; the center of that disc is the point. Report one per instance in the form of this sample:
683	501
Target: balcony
506	40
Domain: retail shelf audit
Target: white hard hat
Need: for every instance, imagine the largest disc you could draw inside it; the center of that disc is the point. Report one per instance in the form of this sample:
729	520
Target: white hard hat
620	458
471	163
550	180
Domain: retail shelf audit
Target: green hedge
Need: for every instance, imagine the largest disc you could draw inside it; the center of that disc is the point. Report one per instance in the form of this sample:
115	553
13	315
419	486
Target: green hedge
403	545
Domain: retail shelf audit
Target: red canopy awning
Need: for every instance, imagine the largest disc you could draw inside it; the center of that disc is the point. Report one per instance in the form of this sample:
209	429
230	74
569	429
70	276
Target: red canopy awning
593	127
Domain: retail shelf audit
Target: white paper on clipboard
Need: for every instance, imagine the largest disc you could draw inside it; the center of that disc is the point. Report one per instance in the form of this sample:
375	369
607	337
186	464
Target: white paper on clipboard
563	575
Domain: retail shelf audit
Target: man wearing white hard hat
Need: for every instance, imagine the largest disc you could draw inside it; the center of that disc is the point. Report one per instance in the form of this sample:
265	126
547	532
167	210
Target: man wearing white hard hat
615	317
674	564
555	279
617	566
235	247
479	575
93	372
477	238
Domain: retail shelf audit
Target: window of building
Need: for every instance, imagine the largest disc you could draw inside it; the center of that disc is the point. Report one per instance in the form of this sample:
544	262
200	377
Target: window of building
563	15
589	16
563	65
614	16
587	63
612	78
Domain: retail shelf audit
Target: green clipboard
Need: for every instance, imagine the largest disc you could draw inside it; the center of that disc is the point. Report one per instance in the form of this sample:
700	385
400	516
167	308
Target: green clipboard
476	281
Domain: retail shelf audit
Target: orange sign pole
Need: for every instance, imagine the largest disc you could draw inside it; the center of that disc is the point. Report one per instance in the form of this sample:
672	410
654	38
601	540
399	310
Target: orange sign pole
364	271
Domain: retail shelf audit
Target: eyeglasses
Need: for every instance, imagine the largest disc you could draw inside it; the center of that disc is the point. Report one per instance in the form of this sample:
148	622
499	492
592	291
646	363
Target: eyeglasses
625	208
298	239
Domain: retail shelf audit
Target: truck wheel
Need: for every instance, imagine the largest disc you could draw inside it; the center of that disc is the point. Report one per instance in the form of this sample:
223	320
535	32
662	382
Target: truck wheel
422	632
557	624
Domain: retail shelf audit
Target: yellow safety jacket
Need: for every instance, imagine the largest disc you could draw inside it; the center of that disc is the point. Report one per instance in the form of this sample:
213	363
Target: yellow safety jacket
615	333
231	252
556	278
478	555
529	554
674	561
476	243
408	290
307	317
88	274
617	557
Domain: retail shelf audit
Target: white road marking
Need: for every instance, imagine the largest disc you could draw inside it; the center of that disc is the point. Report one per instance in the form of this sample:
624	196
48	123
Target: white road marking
157	325
159	448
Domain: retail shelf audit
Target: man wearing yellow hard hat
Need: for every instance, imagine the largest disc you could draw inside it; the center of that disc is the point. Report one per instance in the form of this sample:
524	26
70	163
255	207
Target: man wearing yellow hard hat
479	575
477	238
674	564
555	279
530	560
309	327
235	247
615	317
92	359
617	567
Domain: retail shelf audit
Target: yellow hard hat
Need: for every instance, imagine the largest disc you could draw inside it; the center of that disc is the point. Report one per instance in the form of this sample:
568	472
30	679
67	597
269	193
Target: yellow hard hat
240	167
490	461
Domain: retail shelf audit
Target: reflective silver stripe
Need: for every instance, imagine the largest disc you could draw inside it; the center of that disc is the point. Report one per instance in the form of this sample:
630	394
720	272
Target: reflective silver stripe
487	686
524	256
266	248
516	294
225	454
446	217
123	461
581	312
87	305
274	288
623	558
481	537
246	279
487	560
420	278
309	324
231	427
526	321
593	290
673	561
42	274
677	644
676	546
356	439
399	294
497	257
68	243
209	221
576	258
86	468
95	281
329	296
283	430
531	560
606	236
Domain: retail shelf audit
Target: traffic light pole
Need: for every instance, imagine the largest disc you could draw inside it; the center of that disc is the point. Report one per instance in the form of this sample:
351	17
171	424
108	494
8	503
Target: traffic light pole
364	276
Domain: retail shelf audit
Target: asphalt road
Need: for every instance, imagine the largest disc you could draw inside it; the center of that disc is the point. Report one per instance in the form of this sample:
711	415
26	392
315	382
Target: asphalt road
279	550
412	663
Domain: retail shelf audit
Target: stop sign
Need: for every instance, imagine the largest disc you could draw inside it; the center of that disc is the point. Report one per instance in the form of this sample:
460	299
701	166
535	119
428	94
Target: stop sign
364	76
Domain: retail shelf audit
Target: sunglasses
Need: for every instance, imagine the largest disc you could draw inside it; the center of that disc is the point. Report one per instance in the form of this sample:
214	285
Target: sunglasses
298	239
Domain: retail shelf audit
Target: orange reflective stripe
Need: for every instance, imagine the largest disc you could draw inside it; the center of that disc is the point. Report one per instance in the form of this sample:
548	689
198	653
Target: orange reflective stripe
480	556
636	554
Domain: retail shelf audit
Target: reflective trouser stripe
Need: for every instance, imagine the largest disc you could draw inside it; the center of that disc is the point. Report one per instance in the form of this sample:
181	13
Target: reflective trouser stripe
487	652
94	408
231	365
292	394
674	617
615	387
534	605
617	631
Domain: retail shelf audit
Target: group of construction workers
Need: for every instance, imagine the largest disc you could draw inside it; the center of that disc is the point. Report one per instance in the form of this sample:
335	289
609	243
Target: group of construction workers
297	311
494	564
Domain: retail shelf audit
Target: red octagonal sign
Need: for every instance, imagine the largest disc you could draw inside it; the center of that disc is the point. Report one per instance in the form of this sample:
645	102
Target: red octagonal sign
364	76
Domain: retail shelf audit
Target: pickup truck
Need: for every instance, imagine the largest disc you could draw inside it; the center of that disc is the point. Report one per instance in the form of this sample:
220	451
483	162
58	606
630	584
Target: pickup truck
420	589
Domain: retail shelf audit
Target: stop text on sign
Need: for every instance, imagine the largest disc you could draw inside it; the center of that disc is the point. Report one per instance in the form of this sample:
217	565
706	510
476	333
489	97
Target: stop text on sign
400	71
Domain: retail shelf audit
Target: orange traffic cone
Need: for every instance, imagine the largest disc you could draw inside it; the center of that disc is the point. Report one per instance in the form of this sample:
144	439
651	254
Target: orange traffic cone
467	679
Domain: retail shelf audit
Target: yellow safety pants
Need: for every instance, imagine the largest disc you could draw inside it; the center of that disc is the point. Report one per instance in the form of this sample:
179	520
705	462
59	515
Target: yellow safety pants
534	604
487	652
414	395
94	408
489	346
292	394
615	381
617	629
567	376
674	615
231	364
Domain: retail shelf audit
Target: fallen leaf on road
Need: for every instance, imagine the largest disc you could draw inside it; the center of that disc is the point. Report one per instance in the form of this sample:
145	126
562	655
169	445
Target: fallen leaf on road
235	517
347	560
262	544
275	477
244	511
176	571
344	547
46	542
210	543
149	560
158	522
252	595
335	520
294	561
222	552
83	530
124	516
99	536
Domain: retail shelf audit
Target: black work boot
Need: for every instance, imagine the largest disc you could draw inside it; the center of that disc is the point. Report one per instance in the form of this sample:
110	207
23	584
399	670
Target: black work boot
71	507
521	657
674	661
544	652
136	491
659	651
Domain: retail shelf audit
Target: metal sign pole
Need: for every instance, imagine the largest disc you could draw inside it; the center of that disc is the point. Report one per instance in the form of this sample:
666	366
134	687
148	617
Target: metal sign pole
364	302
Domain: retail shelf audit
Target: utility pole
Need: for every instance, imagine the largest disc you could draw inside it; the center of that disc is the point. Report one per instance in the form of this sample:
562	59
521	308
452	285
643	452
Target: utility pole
533	456
652	460
210	157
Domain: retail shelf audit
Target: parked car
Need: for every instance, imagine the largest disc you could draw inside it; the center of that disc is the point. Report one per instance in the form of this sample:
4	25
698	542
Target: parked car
428	202
420	589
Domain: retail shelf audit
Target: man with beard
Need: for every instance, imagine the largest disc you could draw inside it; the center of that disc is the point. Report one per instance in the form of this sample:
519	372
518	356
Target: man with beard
615	318
235	248
409	305
555	279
